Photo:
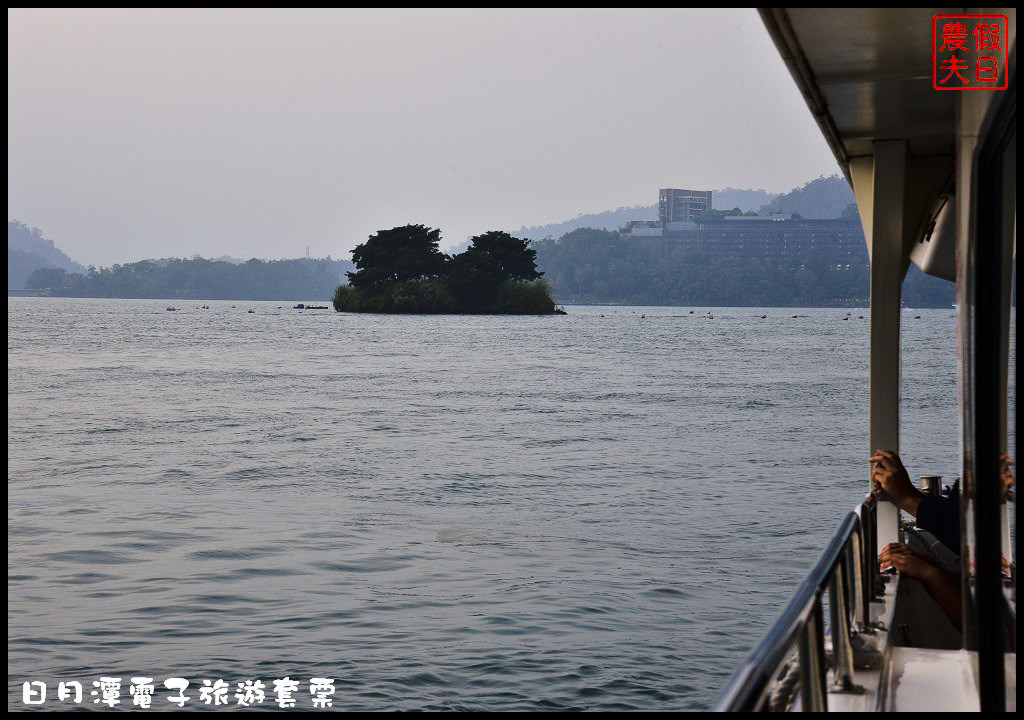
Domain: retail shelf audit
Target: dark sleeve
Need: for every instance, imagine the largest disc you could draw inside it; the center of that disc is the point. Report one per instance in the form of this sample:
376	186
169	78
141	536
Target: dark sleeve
941	517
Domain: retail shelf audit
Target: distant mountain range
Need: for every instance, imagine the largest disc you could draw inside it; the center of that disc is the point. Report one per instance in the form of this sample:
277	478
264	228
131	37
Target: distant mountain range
36	266
725	199
823	198
28	251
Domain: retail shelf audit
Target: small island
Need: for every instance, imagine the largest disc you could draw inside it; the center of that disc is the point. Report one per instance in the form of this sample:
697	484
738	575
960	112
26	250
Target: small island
401	270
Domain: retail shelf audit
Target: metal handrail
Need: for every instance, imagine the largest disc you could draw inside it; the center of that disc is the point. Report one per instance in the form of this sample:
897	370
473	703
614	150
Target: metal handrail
847	570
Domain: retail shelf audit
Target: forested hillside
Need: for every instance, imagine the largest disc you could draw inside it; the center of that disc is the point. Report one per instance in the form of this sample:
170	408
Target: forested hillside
601	266
201	279
28	250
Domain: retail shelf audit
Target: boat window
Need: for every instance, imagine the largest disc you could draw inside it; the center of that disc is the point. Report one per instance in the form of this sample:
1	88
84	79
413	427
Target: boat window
985	331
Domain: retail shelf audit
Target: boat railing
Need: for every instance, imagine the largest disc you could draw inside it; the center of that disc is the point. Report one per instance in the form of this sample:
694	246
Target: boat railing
847	571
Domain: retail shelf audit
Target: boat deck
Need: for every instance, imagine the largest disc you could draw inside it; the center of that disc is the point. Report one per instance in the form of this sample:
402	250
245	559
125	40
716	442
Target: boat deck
923	680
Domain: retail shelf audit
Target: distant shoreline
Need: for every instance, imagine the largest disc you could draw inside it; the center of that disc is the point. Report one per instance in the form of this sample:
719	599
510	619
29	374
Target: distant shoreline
865	308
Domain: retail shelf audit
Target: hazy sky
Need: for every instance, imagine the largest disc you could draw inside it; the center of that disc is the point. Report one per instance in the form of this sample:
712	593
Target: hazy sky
135	134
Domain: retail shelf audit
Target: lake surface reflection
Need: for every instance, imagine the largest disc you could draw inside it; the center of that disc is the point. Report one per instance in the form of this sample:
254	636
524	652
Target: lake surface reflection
596	511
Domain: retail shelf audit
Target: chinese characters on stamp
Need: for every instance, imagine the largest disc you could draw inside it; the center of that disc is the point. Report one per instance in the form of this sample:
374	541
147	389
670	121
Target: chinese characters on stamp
969	52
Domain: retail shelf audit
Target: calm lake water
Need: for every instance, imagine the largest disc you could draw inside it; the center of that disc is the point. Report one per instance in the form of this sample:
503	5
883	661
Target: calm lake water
596	511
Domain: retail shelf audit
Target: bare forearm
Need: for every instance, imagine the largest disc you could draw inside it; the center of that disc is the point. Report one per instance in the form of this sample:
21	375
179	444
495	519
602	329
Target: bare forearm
944	587
910	502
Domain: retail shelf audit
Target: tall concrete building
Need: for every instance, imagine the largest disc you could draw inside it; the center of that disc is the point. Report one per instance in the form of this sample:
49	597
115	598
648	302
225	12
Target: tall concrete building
675	205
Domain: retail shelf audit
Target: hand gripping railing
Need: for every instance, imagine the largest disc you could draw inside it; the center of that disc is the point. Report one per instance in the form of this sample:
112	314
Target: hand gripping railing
847	570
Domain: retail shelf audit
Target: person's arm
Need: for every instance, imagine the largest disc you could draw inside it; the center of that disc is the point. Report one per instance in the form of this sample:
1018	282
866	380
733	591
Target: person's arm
889	475
943	586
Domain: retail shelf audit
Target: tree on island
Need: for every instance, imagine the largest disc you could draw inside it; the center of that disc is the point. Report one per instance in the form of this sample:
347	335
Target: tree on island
512	256
490	260
401	270
403	253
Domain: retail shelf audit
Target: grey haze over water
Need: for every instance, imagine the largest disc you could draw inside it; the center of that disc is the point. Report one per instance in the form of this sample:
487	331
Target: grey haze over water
595	511
257	132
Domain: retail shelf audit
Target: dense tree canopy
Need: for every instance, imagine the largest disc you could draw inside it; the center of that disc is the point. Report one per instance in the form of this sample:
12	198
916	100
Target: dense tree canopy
409	252
513	257
401	270
491	259
202	279
46	279
601	266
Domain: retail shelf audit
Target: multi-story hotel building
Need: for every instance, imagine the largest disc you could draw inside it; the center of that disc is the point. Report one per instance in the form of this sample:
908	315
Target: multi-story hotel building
675	205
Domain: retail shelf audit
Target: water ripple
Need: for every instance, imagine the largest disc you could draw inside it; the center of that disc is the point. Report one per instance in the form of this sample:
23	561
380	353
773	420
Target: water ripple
441	513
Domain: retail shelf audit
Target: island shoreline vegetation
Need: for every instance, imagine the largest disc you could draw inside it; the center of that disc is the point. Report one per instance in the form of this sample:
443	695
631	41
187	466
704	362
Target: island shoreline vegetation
583	267
197	279
602	267
402	270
